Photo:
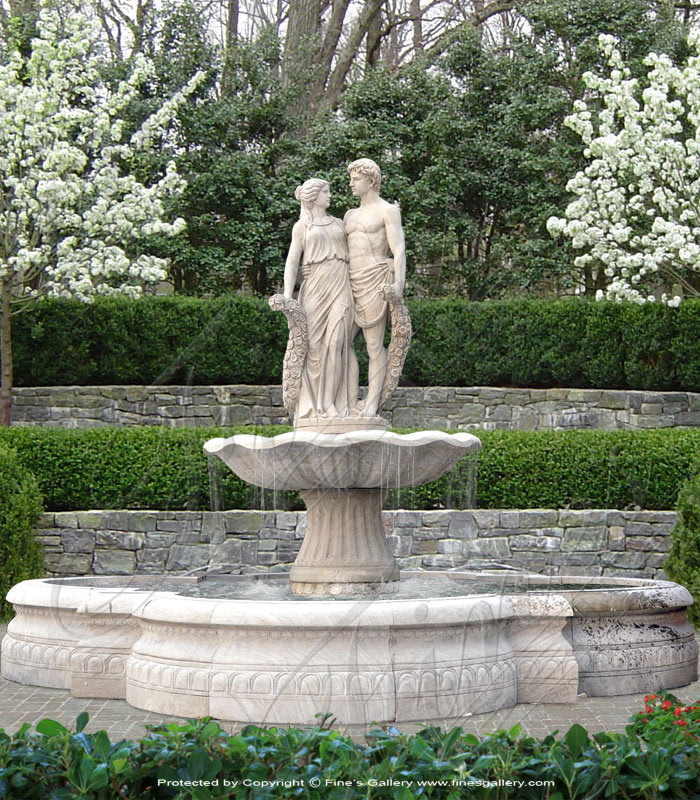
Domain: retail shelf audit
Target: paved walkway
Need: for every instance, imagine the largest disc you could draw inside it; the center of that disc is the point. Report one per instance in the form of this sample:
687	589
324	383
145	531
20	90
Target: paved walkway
20	704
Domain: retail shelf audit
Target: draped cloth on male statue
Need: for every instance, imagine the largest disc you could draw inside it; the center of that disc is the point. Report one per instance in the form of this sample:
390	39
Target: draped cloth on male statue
366	280
326	298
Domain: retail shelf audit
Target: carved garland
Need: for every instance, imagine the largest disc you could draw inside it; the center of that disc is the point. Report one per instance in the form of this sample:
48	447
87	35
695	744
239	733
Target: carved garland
297	346
401	331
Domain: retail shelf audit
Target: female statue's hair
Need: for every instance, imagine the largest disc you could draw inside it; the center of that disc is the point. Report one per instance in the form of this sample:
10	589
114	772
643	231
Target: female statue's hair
307	193
368	168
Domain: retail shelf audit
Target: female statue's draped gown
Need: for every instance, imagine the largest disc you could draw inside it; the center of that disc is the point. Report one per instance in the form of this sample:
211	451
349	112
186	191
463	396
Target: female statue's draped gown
326	298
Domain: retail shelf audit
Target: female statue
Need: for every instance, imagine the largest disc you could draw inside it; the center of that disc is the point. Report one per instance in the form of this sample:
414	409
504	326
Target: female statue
325	297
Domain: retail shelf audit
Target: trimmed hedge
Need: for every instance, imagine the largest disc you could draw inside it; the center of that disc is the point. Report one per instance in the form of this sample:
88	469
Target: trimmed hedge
533	343
165	468
683	562
20	507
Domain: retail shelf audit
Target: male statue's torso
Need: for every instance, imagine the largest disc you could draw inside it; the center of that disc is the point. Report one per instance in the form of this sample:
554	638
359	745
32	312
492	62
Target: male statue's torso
366	230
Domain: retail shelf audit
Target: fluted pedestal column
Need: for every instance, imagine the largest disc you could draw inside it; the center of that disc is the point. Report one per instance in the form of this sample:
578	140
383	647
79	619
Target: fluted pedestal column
345	550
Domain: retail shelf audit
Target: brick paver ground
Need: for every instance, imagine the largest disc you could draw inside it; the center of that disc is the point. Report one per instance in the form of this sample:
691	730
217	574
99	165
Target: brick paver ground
20	704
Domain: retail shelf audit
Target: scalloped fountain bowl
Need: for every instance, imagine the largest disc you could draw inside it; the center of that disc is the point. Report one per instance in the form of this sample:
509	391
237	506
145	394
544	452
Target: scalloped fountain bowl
342	479
242	648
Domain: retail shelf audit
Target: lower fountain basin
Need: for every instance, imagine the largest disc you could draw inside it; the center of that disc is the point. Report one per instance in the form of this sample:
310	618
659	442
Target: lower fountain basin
519	639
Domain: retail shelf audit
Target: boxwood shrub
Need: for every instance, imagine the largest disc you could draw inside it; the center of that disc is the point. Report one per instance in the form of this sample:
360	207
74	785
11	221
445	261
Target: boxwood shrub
534	343
196	760
165	468
20	507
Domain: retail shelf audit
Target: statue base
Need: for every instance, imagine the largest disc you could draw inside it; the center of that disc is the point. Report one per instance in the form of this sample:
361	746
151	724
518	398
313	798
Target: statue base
321	424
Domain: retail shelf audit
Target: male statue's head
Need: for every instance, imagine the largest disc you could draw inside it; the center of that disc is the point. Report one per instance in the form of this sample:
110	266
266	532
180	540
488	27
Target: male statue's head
365	176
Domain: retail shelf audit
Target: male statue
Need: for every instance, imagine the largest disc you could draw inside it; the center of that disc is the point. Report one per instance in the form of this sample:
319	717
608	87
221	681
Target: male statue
377	269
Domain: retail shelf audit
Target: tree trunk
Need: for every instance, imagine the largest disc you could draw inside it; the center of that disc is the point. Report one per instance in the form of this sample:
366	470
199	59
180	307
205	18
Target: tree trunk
232	23
301	43
5	353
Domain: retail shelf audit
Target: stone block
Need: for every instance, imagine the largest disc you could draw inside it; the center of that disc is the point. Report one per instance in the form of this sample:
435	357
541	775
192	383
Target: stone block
286	520
624	560
228	552
49	544
267	558
46	520
407	519
526	541
267	544
639	529
188	537
509	519
159	539
213	527
184	557
486	519
574	559
584	538
180	525
114	562
399	545
536	518
614	399
422	546
243	521
494	547
442	561
436	519
690	419
573	519
469	413
652	422
592	571
152	559
68	563
462	525
115	520
450	546
142	521
656	560
66	519
118	540
77	541
616	537
499	413
249	552
656	544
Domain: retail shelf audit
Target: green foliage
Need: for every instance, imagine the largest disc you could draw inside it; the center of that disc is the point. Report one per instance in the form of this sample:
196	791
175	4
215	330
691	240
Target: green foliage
20	507
194	758
232	339
683	562
165	468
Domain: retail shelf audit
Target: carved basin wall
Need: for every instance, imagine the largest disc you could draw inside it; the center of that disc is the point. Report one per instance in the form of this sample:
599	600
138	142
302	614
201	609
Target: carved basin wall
363	660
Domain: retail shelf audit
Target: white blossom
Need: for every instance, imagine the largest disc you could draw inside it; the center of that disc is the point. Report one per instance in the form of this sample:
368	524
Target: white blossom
636	212
72	216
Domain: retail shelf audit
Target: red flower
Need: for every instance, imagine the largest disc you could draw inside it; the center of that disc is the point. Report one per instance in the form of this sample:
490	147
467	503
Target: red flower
652	697
647	709
677	711
666	705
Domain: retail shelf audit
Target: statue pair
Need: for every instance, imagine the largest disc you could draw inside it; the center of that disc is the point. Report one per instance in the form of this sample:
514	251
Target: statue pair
353	273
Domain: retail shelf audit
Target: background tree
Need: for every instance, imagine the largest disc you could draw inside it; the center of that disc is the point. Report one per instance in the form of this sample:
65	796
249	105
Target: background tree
74	220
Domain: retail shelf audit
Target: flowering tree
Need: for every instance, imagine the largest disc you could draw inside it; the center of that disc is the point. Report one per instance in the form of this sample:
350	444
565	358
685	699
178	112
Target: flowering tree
636	215
73	220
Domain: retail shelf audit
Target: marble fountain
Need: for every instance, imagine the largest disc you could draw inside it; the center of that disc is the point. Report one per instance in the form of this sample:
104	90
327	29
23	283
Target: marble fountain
345	632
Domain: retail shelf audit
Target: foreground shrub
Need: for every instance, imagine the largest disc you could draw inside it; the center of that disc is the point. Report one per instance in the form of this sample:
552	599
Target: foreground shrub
534	343
683	562
20	507
165	468
197	759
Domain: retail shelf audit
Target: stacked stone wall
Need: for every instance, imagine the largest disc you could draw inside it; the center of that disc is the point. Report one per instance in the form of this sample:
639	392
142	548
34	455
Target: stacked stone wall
590	542
457	408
